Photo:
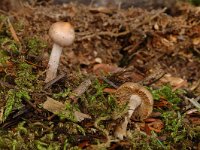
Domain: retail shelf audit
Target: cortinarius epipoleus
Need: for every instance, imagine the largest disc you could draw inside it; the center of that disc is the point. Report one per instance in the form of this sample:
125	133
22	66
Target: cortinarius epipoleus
140	103
62	34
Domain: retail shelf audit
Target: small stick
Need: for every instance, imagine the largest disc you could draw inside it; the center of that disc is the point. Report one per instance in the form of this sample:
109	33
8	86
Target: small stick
104	33
13	33
76	93
34	65
194	101
80	89
33	106
112	34
153	77
5	84
54	81
109	82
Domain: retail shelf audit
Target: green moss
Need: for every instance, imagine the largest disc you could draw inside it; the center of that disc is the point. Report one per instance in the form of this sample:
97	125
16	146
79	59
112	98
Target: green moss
14	100
69	113
139	140
3	58
174	125
62	94
35	46
177	132
26	83
9	45
167	93
10	101
195	2
99	103
25	78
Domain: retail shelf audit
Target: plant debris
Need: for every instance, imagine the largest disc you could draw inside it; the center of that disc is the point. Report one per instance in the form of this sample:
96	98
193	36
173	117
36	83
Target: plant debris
79	108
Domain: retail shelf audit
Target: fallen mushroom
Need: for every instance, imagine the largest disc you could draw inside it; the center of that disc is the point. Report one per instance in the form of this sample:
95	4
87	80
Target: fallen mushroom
62	33
140	103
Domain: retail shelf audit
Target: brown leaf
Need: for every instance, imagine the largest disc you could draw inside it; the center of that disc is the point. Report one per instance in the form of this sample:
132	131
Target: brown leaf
109	90
196	41
57	107
175	82
105	69
83	144
53	106
195	120
161	103
156	126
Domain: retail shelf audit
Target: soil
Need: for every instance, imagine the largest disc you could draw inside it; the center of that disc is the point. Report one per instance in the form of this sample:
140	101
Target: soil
132	44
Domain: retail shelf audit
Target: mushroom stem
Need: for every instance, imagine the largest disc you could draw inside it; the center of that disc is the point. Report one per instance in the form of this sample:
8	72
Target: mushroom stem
53	62
134	102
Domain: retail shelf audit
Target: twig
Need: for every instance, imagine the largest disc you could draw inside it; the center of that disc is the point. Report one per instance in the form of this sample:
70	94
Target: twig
109	82
104	33
33	65
80	89
195	102
33	106
5	84
195	85
111	34
76	93
154	77
12	30
54	81
191	111
4	12
146	20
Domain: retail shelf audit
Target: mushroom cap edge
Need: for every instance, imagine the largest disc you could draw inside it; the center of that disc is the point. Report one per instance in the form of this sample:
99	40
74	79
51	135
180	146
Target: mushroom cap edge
145	109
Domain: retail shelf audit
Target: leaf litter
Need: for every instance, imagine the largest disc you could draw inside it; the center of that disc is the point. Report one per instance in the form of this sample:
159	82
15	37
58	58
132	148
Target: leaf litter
112	46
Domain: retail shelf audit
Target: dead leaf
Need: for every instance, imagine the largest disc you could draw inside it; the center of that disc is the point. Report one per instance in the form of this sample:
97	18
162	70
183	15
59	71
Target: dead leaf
147	129
82	88
109	90
105	69
173	38
161	103
83	144
53	106
196	41
101	10
175	82
195	120
57	107
81	116
156	126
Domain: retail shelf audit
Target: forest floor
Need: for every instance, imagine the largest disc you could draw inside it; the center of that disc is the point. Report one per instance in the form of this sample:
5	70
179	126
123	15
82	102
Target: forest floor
112	46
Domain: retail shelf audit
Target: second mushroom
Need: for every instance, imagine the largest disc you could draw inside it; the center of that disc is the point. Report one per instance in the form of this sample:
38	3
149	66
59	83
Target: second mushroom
62	34
140	105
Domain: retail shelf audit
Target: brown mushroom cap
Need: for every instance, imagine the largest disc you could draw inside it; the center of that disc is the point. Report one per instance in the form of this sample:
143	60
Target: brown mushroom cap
62	33
124	92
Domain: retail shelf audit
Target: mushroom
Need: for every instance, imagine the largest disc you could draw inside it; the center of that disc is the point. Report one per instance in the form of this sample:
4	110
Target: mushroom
62	34
140	103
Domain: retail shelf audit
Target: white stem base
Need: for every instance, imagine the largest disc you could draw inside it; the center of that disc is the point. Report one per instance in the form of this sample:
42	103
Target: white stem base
134	102
53	62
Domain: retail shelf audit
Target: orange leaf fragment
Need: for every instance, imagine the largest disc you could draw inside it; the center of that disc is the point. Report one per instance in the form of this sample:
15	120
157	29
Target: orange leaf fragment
105	69
109	90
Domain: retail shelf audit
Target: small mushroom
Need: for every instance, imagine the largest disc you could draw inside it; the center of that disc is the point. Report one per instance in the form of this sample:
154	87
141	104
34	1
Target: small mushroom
140	103
62	34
